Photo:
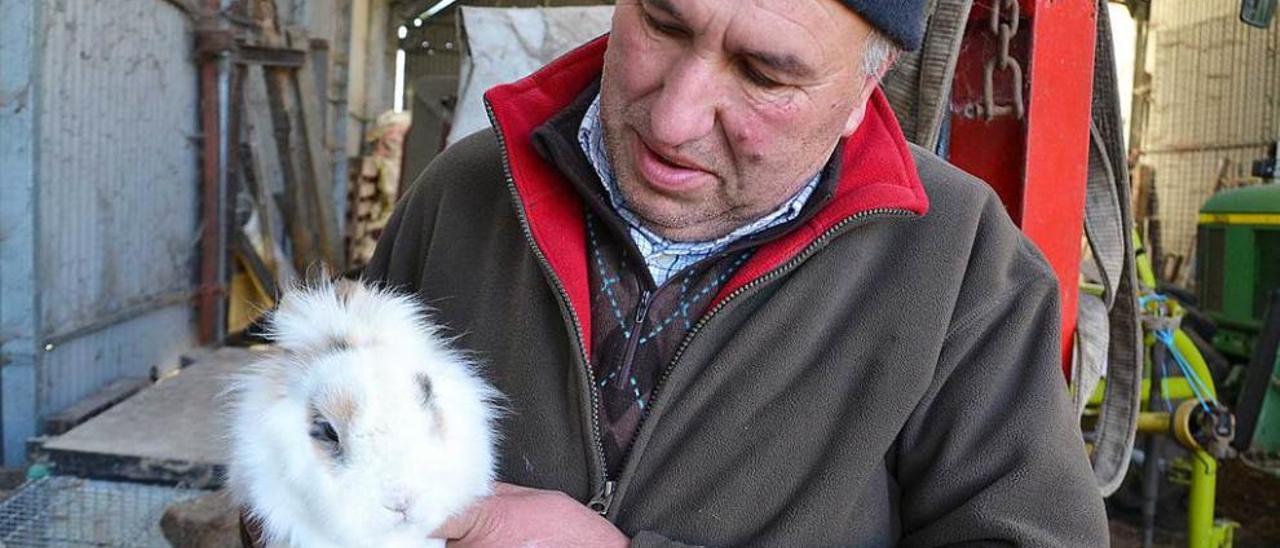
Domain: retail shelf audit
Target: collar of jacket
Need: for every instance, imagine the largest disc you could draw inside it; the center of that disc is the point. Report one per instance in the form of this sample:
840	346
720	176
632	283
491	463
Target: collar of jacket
877	172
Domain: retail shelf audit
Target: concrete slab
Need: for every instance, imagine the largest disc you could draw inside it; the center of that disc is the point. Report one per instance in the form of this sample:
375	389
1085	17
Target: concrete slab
171	432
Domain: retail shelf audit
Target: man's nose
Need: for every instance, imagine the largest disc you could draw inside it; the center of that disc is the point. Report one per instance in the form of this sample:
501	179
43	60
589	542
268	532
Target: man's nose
685	109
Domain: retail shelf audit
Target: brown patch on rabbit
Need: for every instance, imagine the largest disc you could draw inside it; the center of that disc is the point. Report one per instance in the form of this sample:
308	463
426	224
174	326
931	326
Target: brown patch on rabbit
428	401
342	408
331	413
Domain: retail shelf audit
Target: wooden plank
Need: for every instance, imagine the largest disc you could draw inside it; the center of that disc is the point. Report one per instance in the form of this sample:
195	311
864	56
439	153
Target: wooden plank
254	54
254	264
1143	186
94	404
170	432
320	182
290	145
253	174
251	171
294	167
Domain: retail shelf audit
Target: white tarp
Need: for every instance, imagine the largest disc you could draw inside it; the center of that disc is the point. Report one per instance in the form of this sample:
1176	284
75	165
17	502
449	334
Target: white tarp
506	44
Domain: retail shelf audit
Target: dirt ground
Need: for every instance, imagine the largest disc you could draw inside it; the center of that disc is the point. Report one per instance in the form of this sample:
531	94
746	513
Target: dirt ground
1245	495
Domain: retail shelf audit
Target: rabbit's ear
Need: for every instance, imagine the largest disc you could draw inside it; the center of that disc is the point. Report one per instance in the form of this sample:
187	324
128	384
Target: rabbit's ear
349	290
317	275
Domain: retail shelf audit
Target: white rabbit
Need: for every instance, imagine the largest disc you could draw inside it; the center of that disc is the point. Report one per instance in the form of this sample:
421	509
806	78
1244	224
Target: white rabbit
362	427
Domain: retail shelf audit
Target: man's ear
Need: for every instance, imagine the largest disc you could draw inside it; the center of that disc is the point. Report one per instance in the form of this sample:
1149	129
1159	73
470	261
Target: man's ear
855	119
869	85
860	109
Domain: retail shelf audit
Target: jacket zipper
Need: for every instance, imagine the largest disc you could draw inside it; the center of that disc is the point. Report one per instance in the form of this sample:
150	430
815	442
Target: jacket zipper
603	500
607	490
614	493
604	487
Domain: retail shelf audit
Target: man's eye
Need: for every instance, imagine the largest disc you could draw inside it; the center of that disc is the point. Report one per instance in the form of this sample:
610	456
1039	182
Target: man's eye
660	27
758	78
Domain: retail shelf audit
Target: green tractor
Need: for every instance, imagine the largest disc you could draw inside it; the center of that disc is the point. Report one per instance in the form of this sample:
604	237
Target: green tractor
1238	264
1238	288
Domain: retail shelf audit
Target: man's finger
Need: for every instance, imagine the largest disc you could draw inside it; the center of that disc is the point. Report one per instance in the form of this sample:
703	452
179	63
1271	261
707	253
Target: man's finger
459	526
501	489
463	524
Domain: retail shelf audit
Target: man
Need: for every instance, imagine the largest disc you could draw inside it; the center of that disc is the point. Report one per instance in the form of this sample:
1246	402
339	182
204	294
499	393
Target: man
730	305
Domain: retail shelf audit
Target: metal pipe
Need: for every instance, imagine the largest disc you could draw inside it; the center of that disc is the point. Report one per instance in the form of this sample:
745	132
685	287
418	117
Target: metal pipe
1151	476
1206	147
1154	423
130	312
224	157
210	290
1204	484
341	60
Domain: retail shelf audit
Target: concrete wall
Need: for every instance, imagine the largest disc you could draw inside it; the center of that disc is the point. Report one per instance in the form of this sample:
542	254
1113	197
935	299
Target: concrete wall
100	200
19	300
118	191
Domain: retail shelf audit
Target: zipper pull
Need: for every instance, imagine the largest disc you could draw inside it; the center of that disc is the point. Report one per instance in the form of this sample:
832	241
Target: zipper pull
642	308
604	498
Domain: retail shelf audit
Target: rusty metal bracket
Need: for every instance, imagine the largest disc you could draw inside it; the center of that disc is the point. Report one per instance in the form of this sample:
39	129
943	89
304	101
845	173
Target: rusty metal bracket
212	40
216	40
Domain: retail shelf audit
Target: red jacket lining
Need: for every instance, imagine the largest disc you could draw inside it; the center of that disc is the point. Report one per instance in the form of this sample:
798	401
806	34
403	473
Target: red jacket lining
877	171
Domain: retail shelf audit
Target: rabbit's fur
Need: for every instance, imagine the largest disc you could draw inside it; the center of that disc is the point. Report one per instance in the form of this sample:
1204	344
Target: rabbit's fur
362	427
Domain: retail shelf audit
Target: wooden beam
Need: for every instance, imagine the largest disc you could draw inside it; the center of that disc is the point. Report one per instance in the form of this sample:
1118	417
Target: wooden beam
320	182
253	54
254	264
295	164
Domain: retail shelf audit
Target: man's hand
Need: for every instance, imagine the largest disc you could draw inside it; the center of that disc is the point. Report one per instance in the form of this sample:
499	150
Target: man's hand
520	516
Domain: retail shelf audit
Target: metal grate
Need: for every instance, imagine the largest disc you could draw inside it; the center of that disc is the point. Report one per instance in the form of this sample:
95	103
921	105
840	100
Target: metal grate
73	512
1211	267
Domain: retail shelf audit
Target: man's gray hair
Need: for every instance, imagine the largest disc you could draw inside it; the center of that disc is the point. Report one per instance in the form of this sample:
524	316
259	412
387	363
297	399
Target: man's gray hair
879	54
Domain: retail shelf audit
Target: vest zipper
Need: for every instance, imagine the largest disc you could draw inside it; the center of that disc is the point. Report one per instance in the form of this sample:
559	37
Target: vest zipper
602	485
623	482
637	330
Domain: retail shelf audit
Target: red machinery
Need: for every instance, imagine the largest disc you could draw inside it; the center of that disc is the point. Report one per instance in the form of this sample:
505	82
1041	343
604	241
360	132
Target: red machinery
1030	139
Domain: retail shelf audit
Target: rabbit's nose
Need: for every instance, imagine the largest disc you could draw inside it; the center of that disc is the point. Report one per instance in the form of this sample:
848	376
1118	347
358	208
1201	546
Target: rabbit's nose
400	504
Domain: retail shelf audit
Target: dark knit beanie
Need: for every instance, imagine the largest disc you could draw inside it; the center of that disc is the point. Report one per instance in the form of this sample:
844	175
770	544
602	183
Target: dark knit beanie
901	21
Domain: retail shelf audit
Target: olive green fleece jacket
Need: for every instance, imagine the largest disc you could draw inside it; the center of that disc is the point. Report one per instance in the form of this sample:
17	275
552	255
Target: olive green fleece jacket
890	378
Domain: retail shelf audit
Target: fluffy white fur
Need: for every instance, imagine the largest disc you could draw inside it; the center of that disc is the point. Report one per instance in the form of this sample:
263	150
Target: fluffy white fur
356	356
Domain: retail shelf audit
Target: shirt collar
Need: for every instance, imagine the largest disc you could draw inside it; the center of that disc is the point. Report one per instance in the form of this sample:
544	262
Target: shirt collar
591	139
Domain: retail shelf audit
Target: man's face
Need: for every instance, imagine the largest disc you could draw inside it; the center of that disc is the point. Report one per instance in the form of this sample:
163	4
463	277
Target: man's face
717	111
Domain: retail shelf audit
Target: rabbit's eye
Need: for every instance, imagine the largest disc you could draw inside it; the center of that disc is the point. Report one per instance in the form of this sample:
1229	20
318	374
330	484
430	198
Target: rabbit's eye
322	430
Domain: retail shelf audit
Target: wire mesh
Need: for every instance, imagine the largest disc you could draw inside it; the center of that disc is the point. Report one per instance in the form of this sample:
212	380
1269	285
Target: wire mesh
1213	110
72	512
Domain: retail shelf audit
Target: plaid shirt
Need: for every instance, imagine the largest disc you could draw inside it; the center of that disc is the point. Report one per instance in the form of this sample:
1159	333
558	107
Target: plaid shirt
663	257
